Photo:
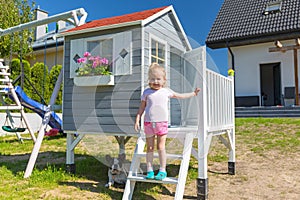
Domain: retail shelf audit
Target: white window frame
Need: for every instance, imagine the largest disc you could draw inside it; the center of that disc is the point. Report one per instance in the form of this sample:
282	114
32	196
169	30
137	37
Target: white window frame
154	37
114	53
101	38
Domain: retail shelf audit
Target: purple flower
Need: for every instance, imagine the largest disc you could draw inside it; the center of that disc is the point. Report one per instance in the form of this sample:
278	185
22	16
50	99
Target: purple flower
95	63
91	58
81	60
104	61
92	65
87	54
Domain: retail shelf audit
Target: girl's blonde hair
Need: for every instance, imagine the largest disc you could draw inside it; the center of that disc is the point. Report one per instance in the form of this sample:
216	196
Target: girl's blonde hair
156	67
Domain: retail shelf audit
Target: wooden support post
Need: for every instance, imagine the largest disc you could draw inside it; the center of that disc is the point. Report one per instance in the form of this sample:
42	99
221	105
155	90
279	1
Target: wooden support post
204	138
37	145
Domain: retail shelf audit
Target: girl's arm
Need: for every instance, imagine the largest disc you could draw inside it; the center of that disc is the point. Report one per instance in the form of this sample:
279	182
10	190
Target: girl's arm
138	115
186	95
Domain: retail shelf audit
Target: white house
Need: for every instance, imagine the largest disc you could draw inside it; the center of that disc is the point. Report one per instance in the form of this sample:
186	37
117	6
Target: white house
262	38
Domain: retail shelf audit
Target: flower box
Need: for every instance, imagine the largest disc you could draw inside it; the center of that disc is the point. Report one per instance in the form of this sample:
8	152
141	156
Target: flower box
100	80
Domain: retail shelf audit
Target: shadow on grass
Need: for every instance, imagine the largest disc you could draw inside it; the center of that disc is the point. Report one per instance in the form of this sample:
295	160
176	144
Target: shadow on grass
217	172
86	167
91	174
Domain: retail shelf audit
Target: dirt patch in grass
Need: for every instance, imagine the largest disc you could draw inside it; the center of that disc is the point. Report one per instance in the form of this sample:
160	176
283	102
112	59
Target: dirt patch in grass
268	177
267	167
272	176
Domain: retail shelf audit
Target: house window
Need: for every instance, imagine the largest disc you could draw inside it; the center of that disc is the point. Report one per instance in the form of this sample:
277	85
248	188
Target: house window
158	51
102	48
272	7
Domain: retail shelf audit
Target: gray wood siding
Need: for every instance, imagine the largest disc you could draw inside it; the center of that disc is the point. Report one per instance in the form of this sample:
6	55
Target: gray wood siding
176	84
164	29
110	109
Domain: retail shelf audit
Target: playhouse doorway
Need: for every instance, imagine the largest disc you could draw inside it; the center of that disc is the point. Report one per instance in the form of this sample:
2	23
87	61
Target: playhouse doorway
270	84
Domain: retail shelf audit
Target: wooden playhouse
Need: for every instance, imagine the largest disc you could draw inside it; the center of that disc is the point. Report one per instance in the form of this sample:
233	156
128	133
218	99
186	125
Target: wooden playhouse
108	104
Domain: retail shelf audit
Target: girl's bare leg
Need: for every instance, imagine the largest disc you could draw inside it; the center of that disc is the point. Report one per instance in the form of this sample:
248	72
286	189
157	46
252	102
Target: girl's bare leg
150	149
161	144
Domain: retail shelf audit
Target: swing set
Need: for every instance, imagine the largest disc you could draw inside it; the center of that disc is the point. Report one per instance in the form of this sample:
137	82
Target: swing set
7	87
76	17
9	91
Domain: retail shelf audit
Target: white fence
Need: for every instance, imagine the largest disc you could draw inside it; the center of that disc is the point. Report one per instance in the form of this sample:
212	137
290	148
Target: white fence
220	101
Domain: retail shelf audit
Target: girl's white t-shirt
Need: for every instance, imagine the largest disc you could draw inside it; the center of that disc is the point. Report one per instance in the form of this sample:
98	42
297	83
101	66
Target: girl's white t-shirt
156	104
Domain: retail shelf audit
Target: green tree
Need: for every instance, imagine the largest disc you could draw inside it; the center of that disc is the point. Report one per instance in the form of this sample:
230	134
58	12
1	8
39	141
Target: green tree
15	12
54	73
41	81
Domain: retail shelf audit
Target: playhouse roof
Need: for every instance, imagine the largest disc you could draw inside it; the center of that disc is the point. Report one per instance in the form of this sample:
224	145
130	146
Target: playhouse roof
249	22
117	21
138	18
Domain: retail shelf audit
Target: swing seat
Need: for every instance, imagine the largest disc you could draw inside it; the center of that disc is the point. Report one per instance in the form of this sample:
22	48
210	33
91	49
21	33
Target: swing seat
13	130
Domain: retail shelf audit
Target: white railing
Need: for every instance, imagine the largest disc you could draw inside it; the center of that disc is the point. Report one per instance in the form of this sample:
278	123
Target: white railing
220	101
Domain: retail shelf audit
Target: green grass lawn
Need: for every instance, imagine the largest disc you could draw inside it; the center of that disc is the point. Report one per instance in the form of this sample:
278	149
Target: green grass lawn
50	181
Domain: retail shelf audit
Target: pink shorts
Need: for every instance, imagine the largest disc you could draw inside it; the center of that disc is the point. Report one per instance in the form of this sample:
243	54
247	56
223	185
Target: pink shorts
156	128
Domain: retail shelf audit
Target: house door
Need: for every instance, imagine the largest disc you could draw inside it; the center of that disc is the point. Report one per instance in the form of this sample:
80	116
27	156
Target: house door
270	84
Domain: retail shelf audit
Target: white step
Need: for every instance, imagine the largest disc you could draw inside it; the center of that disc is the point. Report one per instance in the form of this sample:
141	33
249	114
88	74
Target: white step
155	155
4	73
4	67
142	178
4	91
10	107
5	80
5	86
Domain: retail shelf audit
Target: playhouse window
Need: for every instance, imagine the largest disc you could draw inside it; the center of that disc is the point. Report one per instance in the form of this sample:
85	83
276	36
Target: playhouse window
115	47
157	52
103	48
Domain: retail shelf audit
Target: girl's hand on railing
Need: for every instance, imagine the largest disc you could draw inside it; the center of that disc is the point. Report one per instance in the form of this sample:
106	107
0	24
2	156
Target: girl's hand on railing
197	90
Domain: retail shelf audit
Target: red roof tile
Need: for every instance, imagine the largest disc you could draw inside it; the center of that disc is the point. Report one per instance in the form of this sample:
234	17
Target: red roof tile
118	19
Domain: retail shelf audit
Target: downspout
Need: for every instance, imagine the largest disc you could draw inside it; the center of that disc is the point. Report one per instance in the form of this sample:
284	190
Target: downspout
232	66
232	56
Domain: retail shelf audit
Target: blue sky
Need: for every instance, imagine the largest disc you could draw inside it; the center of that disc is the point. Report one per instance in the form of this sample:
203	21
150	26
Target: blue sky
196	16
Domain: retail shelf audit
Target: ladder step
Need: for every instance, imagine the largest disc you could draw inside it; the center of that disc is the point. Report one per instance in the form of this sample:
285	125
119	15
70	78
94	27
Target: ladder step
5	80
10	107
4	91
155	155
5	86
4	67
4	73
142	178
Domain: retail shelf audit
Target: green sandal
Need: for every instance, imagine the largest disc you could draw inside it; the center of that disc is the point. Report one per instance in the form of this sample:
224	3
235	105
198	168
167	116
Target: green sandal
150	175
160	176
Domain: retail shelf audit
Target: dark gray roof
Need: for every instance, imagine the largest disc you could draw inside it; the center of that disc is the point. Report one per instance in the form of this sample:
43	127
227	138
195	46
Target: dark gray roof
242	22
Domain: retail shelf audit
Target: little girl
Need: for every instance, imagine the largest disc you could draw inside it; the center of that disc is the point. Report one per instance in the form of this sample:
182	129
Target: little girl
154	102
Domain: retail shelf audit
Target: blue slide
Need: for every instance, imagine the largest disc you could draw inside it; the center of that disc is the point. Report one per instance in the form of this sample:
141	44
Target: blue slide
40	109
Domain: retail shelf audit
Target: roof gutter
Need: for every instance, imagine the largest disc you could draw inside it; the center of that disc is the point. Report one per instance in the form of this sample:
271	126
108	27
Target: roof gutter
88	30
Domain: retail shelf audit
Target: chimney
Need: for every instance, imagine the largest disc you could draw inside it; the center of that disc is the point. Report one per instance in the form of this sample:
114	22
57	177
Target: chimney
40	31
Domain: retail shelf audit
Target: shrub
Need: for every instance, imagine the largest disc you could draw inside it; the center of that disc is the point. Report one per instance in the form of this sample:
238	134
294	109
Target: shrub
54	73
40	80
15	70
